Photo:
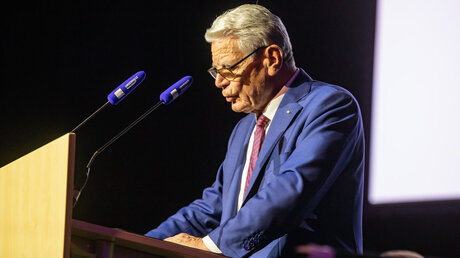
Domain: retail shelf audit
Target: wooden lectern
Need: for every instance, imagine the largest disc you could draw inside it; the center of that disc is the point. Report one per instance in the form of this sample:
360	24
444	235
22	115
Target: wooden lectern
36	213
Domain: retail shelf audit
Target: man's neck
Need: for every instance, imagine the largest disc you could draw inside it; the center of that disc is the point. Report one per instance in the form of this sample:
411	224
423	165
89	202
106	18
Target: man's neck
282	79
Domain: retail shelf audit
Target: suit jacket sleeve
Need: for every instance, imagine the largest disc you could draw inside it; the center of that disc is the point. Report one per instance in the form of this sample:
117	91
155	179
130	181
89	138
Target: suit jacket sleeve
329	132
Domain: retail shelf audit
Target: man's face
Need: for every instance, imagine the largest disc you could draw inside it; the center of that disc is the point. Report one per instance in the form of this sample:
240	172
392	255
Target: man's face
249	92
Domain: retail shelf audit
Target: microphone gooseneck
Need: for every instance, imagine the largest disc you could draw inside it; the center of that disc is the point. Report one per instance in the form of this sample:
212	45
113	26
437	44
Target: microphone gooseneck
101	149
77	193
91	116
165	98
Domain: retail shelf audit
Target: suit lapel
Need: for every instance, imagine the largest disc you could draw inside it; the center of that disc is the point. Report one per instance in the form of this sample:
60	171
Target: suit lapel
233	189
285	114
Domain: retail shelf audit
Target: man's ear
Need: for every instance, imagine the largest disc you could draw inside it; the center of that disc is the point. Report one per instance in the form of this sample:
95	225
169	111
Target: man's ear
273	59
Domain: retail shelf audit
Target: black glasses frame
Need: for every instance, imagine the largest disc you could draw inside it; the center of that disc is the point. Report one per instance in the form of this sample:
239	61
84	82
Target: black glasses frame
213	71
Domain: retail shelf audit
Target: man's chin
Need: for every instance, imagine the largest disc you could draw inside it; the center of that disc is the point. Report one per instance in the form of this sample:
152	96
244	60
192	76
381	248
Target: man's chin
237	107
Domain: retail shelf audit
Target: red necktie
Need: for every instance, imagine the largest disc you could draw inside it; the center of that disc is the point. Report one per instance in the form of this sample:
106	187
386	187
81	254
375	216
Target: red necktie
259	136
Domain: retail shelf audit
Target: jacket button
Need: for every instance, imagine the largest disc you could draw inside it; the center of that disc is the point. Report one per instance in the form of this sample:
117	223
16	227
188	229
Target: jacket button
251	243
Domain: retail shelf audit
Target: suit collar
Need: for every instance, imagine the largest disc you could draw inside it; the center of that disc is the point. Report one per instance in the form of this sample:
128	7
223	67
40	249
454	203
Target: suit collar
296	91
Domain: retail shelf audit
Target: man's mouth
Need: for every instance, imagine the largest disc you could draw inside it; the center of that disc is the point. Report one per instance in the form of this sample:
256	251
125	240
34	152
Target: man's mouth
230	98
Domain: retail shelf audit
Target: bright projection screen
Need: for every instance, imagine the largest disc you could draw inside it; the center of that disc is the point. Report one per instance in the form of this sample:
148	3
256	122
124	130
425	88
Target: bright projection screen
415	145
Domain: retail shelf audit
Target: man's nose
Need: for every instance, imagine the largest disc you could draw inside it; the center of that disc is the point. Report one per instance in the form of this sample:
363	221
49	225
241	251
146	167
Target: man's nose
221	82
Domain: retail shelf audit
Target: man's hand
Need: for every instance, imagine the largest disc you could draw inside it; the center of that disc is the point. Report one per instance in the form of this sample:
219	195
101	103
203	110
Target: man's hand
188	240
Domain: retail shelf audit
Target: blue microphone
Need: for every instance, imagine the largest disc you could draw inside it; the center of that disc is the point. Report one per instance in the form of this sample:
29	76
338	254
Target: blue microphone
118	94
125	88
165	98
176	90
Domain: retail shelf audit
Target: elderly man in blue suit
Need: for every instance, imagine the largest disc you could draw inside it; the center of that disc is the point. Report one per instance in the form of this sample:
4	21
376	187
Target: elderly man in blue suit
293	172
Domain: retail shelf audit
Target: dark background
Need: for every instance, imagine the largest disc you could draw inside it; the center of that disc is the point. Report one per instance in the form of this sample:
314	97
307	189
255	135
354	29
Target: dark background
60	60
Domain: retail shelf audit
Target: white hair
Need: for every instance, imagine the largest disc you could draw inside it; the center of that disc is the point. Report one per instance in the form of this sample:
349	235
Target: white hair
254	26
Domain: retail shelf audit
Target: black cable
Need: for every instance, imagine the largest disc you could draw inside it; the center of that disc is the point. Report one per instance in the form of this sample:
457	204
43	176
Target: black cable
76	193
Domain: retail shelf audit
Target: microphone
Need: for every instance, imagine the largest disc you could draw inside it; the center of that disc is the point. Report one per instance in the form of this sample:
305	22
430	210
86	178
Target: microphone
176	90
166	97
117	95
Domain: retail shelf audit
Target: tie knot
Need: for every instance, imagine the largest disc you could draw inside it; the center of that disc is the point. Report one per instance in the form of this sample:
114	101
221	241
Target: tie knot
262	121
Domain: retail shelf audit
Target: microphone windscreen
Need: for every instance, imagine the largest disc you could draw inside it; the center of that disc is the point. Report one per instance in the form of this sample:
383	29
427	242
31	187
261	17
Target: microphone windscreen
125	88
176	89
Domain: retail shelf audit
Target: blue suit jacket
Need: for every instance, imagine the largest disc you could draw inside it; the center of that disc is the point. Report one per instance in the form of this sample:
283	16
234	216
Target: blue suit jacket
307	184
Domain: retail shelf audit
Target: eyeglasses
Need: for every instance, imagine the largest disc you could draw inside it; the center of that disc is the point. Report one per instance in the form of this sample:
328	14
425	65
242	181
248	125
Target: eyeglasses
226	72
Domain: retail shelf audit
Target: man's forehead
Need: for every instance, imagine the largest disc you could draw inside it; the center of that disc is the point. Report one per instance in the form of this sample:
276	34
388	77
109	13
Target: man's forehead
224	51
225	44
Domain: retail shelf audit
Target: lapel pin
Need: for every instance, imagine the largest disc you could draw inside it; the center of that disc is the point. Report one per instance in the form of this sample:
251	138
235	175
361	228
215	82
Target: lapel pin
288	111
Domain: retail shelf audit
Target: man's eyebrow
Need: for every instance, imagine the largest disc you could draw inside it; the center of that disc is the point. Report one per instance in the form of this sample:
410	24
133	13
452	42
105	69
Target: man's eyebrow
223	66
